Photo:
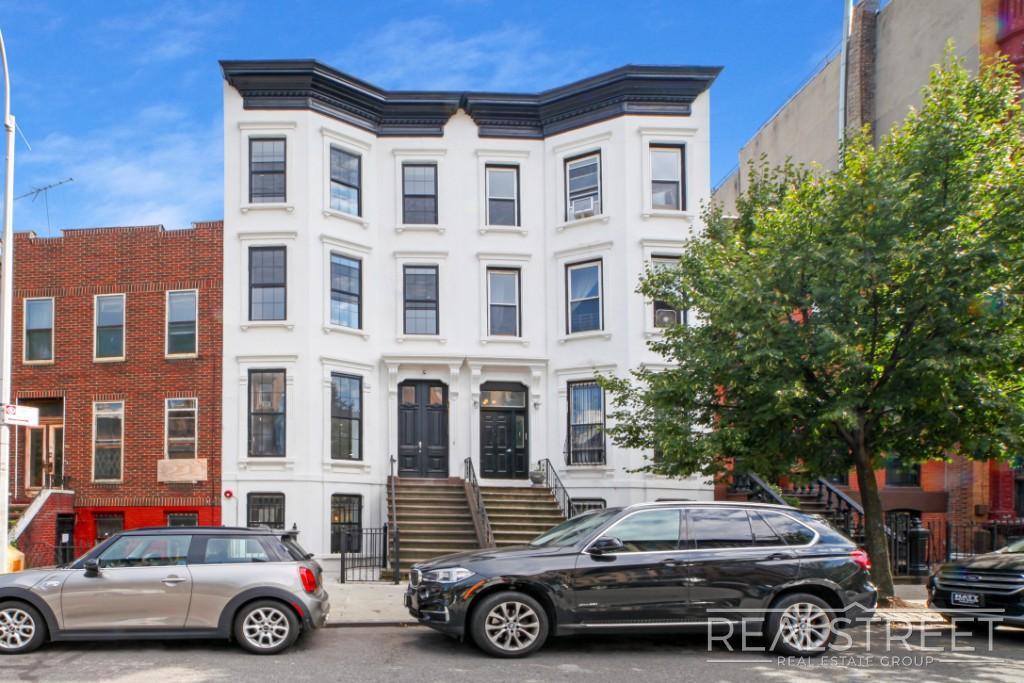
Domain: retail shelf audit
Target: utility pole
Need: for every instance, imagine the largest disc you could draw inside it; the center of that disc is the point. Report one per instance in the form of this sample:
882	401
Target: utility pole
843	53
6	305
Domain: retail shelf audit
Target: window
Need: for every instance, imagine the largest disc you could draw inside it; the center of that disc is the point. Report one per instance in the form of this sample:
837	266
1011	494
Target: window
346	291
649	531
266	509
108	436
267	283
181	428
581	505
234	550
38	329
146	551
584	297
346	417
181	322
266	170
586	423
764	534
346	176
583	186
266	413
502	195
668	188
108	524
503	302
898	474
184	519
666	315
719	528
346	523
419	194
420	299
785	527
110	326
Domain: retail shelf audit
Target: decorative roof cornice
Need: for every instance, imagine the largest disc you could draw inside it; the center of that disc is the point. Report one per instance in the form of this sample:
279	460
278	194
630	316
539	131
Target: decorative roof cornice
308	84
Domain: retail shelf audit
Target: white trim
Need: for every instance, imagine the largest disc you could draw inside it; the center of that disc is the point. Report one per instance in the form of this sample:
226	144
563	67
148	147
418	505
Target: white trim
167	324
599	330
345	245
355	148
24	331
253	130
266	125
433	157
669	136
358	254
266	236
567	148
364	372
583	250
488	268
436	259
259	240
96	326
341	215
599	218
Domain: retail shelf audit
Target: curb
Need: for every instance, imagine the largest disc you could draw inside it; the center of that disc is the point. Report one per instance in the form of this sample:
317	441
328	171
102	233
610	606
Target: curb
368	624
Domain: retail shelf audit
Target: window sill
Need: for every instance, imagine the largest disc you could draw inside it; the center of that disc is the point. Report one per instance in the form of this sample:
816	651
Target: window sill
38	362
108	482
601	470
600	218
269	324
421	338
341	215
592	334
266	464
118	359
340	329
667	213
269	206
506	229
181	356
357	466
407	227
504	340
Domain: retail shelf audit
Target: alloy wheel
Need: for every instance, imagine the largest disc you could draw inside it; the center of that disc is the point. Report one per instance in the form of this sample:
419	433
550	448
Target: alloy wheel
266	627
16	628
805	626
512	626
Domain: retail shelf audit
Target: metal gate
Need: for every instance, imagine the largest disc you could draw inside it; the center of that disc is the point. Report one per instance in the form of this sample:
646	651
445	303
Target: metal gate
363	555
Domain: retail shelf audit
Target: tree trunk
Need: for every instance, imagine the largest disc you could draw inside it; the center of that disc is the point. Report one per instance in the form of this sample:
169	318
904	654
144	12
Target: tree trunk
875	540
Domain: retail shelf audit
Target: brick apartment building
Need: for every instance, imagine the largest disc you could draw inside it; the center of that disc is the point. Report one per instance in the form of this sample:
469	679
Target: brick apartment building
117	341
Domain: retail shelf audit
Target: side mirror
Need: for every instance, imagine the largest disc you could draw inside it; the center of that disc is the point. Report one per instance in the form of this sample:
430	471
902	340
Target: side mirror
92	567
606	545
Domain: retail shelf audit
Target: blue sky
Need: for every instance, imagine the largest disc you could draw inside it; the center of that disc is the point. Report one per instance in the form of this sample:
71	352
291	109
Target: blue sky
125	96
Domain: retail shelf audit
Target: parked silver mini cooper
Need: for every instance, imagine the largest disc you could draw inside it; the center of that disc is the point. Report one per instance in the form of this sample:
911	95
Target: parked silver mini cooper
256	586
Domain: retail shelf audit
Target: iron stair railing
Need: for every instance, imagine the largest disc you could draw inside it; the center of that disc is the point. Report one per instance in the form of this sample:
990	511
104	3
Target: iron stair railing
757	488
846	513
557	488
481	523
396	566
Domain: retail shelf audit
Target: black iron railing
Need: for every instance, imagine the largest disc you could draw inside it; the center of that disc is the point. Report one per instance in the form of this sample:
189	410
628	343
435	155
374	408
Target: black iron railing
558	490
844	512
756	489
396	546
364	554
481	523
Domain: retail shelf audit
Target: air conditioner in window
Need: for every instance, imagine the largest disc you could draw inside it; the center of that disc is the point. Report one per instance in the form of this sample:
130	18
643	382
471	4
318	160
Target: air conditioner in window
666	317
584	207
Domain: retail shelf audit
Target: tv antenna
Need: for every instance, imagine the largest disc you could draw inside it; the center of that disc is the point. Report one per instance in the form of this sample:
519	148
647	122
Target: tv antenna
45	191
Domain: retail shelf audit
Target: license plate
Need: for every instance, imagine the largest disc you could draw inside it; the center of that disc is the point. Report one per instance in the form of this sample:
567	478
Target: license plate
965	599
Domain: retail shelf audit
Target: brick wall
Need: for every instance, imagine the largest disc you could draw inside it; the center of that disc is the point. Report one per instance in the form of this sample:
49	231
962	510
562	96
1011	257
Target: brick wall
39	540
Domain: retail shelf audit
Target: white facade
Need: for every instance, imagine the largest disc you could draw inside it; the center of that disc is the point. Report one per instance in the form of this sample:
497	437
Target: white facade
544	358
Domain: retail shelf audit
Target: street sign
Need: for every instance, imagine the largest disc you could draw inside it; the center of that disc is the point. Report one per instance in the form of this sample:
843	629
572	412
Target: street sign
24	416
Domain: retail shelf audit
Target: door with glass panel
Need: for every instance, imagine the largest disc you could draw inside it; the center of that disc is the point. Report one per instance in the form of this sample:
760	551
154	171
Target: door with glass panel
422	429
504	433
44	456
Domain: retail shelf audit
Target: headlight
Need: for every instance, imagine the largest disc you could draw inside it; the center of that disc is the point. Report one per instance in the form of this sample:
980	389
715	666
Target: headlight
447	575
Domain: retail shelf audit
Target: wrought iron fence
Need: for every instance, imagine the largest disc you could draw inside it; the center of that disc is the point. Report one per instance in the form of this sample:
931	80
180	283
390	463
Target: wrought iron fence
42	554
363	554
915	546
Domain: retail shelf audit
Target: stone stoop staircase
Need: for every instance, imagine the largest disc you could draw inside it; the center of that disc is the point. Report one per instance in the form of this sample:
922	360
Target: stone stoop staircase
433	519
810	503
519	514
16	511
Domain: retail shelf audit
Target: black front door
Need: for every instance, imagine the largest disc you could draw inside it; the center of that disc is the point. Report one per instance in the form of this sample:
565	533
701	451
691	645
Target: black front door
503	451
422	429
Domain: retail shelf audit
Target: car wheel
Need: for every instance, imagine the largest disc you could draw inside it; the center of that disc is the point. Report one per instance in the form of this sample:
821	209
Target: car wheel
266	627
509	624
22	628
800	625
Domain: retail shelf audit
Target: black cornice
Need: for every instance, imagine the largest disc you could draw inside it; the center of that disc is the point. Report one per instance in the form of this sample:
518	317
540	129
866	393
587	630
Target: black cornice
308	84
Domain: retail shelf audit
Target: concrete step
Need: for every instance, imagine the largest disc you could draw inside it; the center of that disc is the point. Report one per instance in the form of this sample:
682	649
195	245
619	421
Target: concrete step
437	501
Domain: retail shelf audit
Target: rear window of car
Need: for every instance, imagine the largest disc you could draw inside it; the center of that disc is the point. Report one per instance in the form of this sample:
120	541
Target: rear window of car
291	548
788	529
234	550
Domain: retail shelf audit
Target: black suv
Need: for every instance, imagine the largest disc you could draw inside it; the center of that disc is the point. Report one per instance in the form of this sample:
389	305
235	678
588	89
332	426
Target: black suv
653	566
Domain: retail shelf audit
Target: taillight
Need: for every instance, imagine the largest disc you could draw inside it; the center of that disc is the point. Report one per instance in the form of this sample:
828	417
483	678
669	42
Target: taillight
861	558
308	579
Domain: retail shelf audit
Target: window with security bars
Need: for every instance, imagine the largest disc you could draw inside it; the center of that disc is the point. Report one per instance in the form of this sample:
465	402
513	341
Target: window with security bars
265	509
420	295
266	170
419	194
346	291
586	424
346	523
346	176
108	524
38	329
108	440
581	505
266	413
182	312
182	519
181	428
267	283
346	417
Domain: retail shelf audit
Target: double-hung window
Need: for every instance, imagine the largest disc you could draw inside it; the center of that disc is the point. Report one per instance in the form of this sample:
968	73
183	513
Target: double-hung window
266	170
668	177
503	317
419	194
38	330
346	177
107	440
502	195
265	509
346	291
583	186
583	293
181	428
182	312
267	283
266	413
346	417
346	523
420	294
110	326
586	423
665	314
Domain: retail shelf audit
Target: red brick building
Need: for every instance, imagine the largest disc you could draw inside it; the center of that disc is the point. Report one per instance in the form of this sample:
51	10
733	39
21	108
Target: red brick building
117	341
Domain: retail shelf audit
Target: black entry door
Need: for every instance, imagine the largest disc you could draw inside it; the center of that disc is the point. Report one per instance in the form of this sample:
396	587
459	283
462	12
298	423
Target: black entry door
503	452
422	429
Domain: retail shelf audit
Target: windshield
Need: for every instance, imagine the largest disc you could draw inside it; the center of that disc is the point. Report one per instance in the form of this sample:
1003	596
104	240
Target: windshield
573	530
1015	547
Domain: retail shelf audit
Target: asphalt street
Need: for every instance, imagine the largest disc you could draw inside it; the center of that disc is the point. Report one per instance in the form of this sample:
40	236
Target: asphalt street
415	653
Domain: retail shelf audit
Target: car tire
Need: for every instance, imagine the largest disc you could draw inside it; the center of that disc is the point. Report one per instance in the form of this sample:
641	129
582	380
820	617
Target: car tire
22	628
799	625
509	624
266	627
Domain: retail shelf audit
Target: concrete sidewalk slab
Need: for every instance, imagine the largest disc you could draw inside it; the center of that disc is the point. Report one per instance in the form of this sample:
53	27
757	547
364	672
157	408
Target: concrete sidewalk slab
367	604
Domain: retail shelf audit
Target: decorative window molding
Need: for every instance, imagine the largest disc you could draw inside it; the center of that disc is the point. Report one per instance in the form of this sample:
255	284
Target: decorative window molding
681	137
433	157
355	147
257	130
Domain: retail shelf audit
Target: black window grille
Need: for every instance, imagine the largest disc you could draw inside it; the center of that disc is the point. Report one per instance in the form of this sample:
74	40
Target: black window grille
347	522
266	509
586	423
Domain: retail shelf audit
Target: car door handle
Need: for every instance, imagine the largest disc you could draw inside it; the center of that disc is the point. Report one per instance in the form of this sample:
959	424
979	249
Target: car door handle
671	563
171	580
781	556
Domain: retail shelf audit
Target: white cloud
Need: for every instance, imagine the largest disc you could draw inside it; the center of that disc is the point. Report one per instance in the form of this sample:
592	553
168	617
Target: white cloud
167	32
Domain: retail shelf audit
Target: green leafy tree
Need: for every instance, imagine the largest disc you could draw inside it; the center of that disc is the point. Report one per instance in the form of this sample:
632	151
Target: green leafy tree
854	317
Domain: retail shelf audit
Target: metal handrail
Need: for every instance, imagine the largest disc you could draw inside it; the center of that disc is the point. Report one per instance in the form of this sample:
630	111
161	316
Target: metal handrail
846	512
396	544
481	523
758	488
558	490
